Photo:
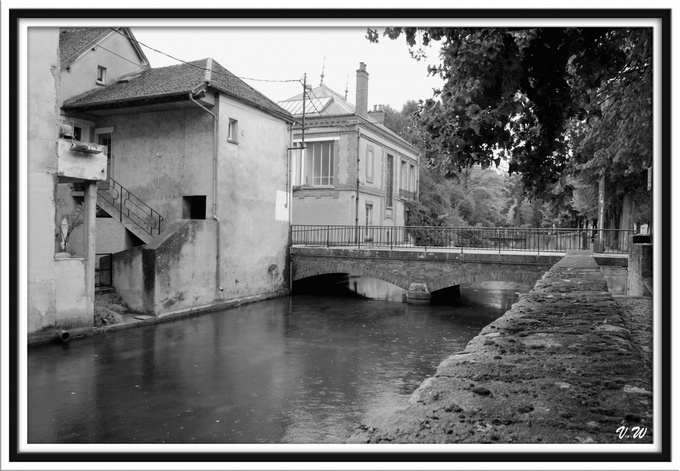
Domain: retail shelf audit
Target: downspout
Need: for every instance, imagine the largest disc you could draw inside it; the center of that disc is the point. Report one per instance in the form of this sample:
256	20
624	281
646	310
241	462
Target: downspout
218	283
289	202
356	222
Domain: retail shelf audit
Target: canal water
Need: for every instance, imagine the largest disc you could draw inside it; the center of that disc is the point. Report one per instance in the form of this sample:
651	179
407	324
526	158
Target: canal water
301	369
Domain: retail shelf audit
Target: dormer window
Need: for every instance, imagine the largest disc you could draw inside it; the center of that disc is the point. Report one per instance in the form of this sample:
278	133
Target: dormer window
101	75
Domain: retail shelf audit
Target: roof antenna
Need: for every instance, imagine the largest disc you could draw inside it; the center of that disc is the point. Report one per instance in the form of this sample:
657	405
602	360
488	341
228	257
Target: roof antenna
323	69
346	86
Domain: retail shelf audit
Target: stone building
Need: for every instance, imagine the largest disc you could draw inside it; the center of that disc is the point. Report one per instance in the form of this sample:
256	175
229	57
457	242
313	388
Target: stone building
352	170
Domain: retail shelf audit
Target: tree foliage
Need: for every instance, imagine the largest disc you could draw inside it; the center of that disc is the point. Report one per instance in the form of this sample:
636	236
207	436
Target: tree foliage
554	101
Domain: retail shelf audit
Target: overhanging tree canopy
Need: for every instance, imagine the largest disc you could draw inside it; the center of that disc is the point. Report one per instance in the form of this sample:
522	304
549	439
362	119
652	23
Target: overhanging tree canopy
554	99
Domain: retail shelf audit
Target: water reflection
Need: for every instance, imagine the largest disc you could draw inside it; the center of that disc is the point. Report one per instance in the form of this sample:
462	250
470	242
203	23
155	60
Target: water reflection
303	369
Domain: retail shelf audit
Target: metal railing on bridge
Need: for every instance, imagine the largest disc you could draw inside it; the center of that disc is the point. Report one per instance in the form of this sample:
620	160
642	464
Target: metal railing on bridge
499	239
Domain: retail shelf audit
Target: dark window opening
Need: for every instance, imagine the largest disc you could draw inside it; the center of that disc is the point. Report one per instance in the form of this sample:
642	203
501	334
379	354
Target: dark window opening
193	207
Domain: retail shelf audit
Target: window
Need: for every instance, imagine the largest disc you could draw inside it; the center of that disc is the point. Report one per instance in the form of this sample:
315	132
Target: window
389	181
404	175
369	164
368	231
412	179
369	214
101	75
232	132
319	163
77	133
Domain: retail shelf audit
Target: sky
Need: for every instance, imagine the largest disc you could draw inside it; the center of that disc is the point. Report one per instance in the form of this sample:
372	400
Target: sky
275	54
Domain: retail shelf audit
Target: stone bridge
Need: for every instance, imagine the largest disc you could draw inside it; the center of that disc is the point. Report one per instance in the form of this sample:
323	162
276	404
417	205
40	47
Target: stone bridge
421	272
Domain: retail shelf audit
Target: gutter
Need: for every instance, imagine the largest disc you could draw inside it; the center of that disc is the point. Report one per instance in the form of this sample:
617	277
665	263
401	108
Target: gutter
218	282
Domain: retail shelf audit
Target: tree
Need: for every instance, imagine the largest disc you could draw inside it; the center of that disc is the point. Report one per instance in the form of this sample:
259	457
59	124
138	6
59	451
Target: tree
475	196
520	93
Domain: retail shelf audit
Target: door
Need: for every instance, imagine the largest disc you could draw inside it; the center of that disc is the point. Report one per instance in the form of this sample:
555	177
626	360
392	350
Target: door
105	140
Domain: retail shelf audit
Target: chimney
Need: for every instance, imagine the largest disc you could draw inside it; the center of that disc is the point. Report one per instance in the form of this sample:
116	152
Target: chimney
378	114
361	104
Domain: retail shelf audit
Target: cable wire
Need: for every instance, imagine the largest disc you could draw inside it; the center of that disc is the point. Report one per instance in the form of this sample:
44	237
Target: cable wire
194	65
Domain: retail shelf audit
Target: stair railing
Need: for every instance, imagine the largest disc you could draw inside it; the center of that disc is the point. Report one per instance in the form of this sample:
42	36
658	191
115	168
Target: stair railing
128	205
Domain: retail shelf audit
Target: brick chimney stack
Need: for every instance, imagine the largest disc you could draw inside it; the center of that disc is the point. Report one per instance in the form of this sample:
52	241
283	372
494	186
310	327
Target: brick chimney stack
361	104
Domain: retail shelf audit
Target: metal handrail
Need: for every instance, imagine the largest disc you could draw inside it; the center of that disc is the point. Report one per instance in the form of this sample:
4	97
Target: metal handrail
128	205
499	239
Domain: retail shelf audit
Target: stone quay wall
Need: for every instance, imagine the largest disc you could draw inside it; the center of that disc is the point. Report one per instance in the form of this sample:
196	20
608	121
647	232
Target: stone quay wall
558	367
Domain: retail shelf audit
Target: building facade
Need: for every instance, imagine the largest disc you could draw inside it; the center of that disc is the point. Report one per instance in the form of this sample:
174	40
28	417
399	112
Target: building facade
60	285
350	169
193	208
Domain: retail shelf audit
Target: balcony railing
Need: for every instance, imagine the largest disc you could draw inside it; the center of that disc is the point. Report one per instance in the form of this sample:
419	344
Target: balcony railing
465	238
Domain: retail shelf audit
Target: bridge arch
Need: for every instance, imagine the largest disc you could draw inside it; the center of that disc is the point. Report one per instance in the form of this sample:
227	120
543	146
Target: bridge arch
351	267
420	270
516	276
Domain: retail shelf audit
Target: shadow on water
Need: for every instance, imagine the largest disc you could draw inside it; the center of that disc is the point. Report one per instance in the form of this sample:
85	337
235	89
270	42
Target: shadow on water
302	369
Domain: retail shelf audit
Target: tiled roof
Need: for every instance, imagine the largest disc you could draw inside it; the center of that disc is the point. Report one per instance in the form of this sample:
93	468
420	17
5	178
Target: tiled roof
73	41
174	81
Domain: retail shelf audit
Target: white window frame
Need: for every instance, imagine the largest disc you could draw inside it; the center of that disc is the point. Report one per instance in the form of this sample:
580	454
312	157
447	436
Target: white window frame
101	75
327	166
232	131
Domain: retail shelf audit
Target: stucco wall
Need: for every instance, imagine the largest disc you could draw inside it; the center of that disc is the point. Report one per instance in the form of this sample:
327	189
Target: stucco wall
252	202
162	156
184	266
59	293
73	304
323	207
252	205
82	76
111	236
128	278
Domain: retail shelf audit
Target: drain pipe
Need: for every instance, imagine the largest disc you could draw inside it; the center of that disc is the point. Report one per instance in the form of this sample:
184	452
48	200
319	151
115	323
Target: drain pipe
218	283
356	220
63	335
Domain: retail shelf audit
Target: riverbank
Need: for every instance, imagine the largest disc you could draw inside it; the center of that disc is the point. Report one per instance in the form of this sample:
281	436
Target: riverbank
561	366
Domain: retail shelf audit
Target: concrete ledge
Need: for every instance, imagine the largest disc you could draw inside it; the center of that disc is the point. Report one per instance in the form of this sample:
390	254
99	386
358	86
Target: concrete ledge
558	367
131	322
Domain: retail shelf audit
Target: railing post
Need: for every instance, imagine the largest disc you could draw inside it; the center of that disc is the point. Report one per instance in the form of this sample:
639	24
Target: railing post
328	234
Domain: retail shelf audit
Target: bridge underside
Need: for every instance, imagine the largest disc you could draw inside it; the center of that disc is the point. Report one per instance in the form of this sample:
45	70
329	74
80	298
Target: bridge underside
419	272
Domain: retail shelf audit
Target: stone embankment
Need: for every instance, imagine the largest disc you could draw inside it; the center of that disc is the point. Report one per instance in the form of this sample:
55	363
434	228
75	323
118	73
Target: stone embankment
558	367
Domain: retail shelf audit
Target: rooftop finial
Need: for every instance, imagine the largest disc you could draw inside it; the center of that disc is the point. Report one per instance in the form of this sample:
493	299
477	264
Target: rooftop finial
323	69
347	86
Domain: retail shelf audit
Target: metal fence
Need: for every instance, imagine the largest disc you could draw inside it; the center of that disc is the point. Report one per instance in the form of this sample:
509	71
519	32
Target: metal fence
499	239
